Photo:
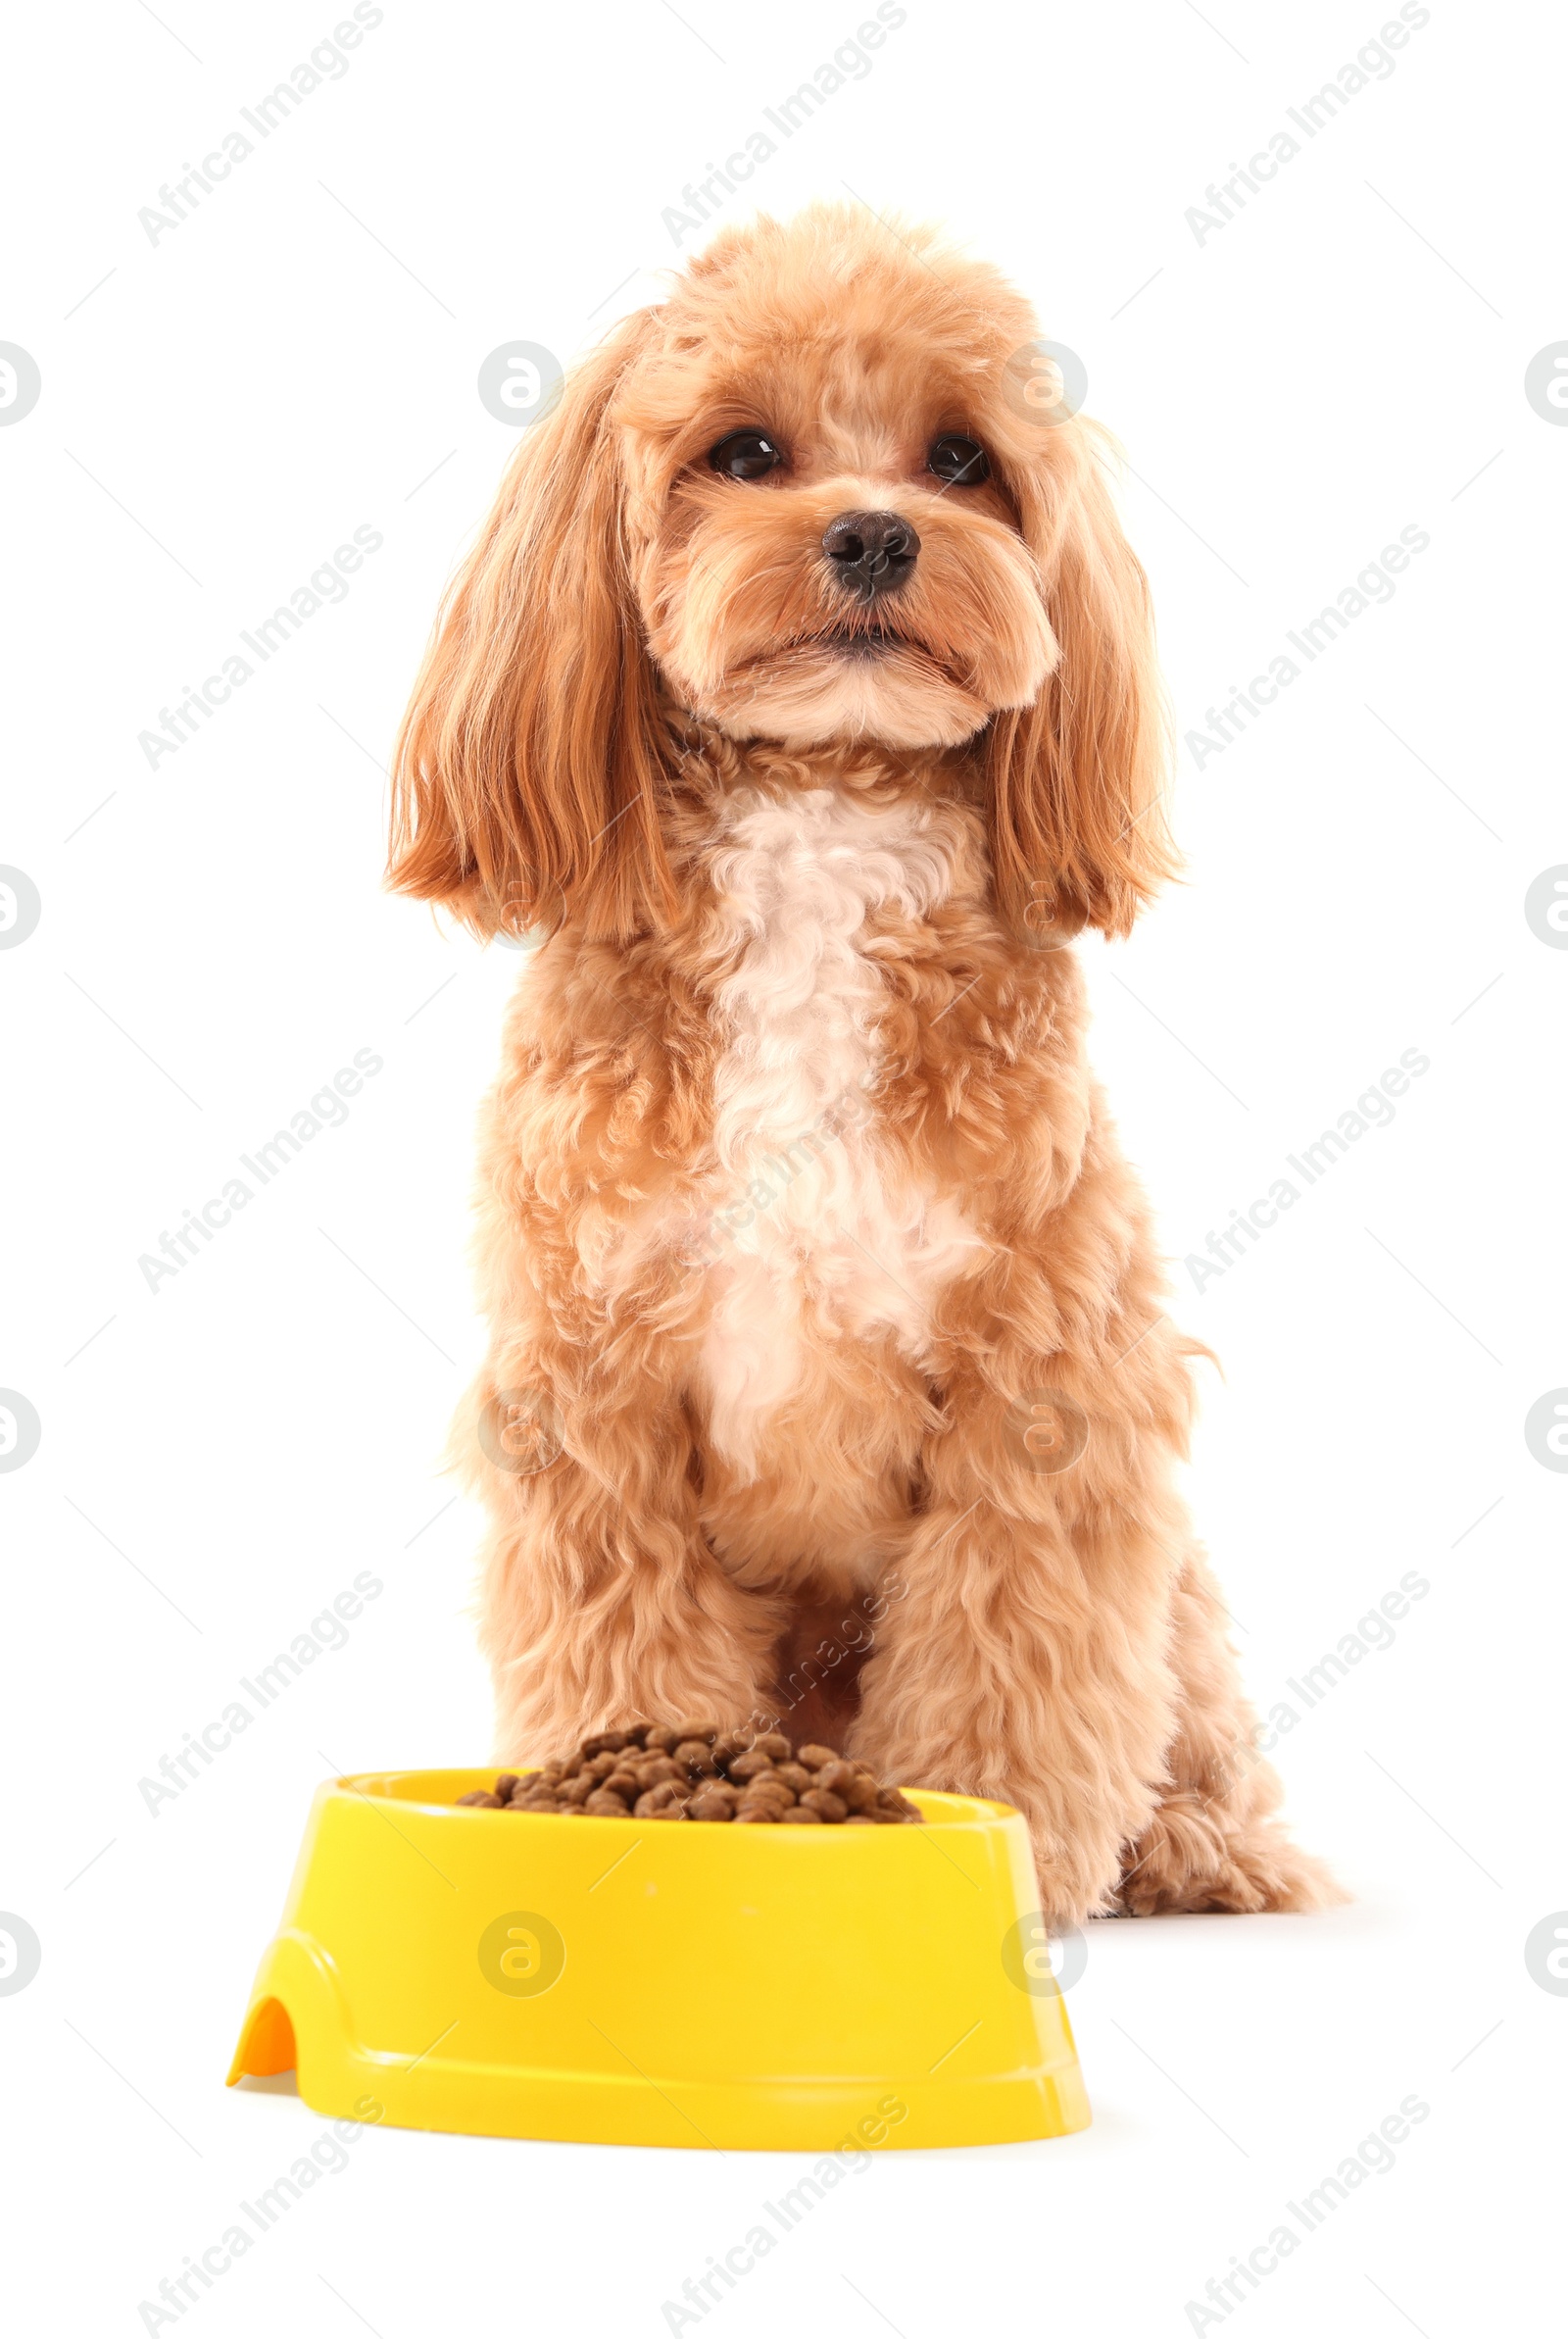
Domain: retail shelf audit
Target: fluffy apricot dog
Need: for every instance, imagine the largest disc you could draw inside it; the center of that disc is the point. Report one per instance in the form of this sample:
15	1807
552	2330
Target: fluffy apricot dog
800	700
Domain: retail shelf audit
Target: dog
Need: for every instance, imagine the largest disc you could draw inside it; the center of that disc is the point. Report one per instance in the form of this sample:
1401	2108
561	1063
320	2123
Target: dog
799	702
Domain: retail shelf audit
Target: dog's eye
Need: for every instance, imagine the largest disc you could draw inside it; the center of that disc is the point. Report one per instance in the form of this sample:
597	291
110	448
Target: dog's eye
746	455
960	461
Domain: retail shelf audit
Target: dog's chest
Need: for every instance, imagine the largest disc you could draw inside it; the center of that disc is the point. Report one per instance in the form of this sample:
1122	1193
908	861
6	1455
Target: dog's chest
821	1227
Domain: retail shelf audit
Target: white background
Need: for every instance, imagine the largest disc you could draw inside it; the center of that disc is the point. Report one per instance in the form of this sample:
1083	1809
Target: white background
219	1457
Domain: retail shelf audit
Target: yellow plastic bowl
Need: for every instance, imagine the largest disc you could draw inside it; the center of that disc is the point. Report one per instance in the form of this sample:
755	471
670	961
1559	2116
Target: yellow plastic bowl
622	1981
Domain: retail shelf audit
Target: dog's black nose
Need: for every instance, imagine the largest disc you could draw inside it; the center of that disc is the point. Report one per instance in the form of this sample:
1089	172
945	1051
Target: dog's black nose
872	552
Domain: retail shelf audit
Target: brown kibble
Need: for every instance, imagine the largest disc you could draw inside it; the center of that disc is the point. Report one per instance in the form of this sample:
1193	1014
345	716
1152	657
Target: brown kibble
762	1806
709	1804
692	1770
835	1776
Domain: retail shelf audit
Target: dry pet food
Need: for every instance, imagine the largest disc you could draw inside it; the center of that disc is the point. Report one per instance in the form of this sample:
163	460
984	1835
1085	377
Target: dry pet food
692	1770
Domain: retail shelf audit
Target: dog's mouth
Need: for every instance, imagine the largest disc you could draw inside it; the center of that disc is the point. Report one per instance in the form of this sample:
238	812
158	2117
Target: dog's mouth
849	678
854	642
857	644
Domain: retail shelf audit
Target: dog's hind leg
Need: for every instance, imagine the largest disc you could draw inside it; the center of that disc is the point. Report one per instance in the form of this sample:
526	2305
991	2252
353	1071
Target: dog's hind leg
1213	1842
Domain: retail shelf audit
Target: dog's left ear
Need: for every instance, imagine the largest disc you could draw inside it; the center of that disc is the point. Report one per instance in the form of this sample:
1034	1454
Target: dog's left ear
1076	781
533	756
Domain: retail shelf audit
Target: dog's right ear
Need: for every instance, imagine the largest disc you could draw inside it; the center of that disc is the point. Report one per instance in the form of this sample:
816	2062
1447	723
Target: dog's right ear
531	762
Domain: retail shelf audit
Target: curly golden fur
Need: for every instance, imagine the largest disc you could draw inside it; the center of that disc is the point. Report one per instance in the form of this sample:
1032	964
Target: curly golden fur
828	1373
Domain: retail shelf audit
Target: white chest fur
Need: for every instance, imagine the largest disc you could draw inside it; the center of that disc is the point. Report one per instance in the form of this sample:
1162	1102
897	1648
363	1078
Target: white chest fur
821	1230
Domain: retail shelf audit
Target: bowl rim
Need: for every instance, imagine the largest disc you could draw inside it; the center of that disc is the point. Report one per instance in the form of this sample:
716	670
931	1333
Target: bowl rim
981	1812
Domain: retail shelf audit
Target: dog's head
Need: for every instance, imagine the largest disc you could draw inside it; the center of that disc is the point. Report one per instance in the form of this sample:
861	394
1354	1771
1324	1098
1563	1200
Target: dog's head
822	494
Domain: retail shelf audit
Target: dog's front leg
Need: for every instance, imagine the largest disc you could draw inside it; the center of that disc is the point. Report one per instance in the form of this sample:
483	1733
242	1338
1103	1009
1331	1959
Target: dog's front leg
1023	1655
602	1601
